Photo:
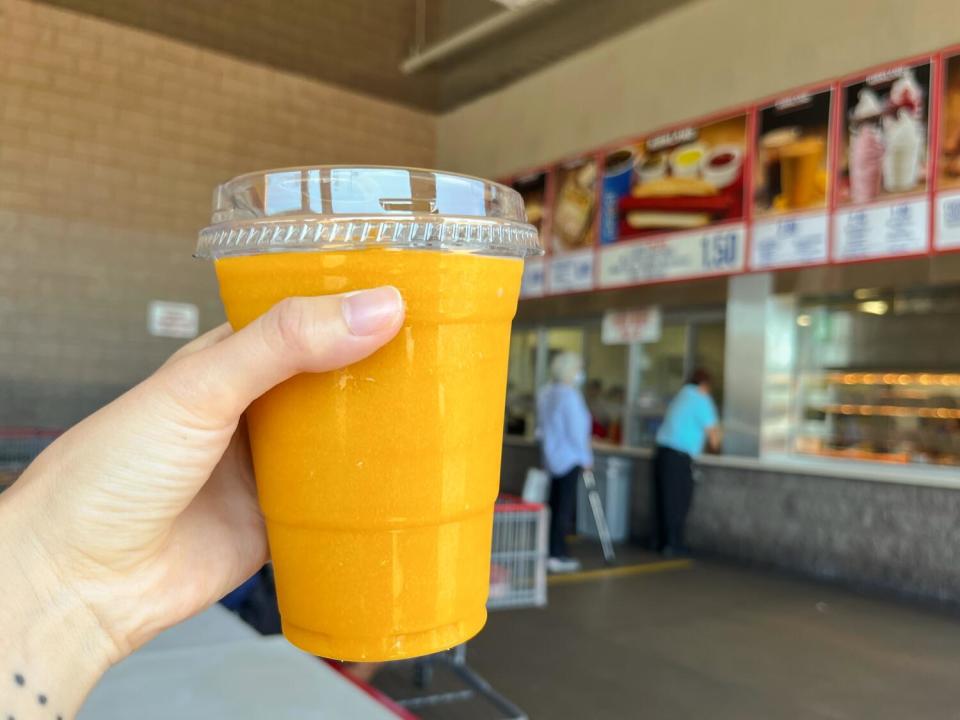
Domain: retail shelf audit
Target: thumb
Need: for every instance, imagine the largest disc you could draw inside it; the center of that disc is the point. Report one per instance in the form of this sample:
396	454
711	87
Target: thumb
140	460
209	389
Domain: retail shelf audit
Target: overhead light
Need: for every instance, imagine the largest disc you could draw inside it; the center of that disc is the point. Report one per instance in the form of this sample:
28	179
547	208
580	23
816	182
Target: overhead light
804	320
874	307
866	293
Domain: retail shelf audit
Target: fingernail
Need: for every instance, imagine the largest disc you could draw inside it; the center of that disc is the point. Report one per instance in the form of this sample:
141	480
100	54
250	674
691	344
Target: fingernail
367	312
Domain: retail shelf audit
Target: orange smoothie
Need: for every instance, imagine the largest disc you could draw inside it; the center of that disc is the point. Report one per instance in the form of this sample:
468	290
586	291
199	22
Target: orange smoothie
378	481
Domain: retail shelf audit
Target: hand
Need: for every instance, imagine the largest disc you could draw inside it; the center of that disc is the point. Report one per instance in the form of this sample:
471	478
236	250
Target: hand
145	513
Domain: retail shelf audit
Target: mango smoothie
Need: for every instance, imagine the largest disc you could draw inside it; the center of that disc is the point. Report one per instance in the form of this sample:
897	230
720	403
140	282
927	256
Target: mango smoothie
378	481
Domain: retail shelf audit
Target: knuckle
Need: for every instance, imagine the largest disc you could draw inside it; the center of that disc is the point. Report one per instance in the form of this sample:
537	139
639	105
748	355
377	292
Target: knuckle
291	325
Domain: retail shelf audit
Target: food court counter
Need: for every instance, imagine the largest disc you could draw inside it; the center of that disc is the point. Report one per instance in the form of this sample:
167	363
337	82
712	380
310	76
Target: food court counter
888	527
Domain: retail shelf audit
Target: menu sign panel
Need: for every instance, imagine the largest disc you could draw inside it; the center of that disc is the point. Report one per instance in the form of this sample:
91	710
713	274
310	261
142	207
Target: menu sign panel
673	205
534	282
898	228
687	178
715	251
883	164
947	181
840	172
574	208
571	271
790	241
790	181
573	233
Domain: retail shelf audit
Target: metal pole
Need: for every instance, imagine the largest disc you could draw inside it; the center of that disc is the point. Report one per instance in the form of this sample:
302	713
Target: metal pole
471	36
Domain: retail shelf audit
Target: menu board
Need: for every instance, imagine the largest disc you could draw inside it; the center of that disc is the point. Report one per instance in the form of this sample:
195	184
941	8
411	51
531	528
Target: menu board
791	153
662	199
688	178
846	171
947	180
682	255
882	209
573	226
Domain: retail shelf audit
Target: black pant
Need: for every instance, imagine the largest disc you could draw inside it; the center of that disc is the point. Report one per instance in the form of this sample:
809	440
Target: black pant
260	609
673	491
563	498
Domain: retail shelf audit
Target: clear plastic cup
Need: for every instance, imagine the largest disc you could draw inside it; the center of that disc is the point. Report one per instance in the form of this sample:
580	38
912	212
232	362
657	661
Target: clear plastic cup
378	481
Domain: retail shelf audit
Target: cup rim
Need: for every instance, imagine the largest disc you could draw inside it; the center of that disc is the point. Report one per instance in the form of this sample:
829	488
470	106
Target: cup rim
328	207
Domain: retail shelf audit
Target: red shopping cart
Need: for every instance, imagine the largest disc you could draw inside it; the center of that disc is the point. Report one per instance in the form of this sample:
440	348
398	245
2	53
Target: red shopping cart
518	579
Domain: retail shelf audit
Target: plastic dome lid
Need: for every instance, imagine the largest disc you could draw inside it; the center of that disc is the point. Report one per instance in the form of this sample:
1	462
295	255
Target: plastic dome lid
343	207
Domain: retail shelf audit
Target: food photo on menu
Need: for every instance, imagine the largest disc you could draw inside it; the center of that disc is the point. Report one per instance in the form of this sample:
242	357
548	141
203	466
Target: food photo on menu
949	166
681	180
884	136
575	206
533	190
791	169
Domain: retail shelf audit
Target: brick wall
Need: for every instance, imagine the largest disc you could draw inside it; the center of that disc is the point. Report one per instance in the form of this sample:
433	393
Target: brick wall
111	140
356	44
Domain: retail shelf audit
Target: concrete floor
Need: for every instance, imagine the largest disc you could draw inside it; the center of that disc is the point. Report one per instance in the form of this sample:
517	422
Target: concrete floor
710	641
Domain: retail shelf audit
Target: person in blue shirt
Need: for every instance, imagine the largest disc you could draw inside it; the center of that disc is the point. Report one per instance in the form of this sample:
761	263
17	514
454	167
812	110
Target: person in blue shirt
689	425
565	428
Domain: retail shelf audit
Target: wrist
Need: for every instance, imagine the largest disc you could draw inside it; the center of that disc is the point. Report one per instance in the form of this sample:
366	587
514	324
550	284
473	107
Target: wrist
49	637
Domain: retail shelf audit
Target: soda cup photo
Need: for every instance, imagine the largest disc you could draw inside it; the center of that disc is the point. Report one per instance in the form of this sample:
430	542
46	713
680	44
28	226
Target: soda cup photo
378	481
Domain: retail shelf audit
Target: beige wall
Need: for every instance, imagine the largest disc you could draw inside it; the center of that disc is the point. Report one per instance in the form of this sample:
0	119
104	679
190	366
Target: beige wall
701	57
111	140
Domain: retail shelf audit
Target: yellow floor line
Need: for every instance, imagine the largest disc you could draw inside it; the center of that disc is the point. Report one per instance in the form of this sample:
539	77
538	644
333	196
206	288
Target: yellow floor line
613	572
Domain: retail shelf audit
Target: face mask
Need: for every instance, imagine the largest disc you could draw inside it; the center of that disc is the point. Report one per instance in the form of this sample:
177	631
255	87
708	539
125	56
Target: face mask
580	378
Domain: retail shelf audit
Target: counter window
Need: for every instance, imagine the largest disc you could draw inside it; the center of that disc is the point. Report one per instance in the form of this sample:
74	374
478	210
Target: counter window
521	382
627	387
606	387
874	382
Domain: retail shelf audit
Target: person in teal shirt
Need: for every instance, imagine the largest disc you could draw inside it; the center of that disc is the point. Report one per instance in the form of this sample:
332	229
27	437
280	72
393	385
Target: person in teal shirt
690	424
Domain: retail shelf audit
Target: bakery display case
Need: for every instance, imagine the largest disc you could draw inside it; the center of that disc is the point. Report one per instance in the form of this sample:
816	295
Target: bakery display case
890	416
874	379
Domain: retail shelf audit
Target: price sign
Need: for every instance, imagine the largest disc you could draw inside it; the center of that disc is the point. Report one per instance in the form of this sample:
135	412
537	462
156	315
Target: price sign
172	319
571	272
719	250
948	222
679	255
789	241
900	228
534	278
630	326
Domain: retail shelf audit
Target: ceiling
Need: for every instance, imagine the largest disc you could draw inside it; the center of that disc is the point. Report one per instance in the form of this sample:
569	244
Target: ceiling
360	44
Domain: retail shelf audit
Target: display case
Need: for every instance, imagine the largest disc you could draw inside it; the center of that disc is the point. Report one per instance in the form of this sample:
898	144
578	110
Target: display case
876	379
887	416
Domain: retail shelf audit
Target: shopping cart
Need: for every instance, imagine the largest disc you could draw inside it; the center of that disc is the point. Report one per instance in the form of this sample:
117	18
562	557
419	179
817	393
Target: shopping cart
18	447
518	579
